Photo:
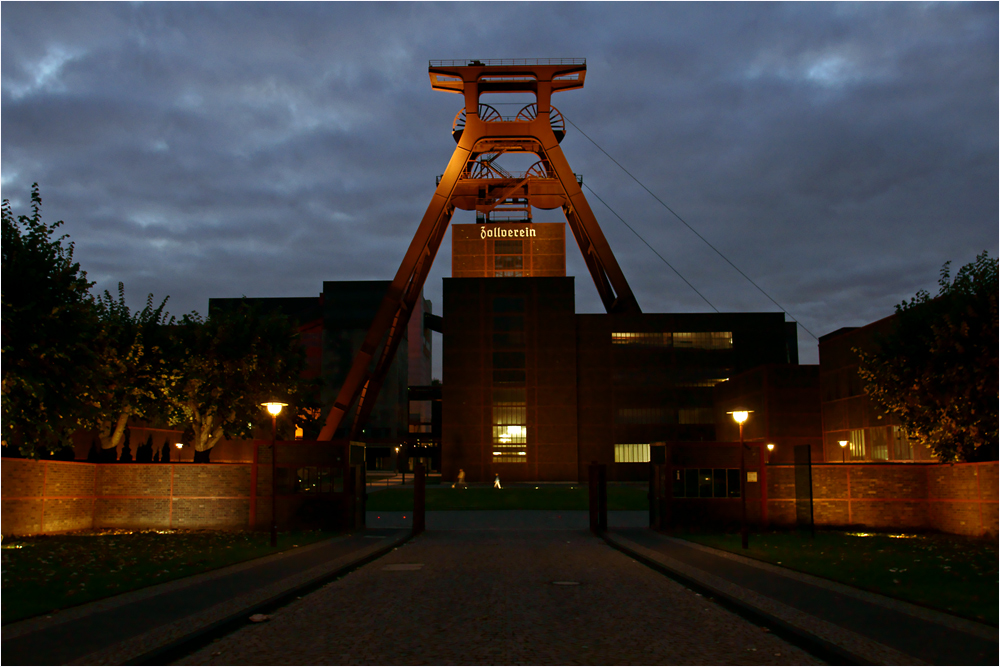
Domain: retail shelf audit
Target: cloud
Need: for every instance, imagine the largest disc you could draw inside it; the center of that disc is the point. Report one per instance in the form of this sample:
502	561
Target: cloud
838	154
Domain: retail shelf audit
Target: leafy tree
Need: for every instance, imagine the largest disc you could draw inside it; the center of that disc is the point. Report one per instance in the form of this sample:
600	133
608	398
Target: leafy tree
137	365
937	370
232	362
49	326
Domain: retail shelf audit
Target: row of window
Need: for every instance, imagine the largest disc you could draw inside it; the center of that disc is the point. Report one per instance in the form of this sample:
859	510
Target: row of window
510	400
664	416
706	483
309	479
884	443
702	340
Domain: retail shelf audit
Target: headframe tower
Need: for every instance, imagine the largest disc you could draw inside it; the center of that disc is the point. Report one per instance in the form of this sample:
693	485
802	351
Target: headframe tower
475	181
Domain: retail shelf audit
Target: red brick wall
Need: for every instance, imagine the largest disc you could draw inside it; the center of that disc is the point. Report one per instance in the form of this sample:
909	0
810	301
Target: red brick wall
56	496
959	498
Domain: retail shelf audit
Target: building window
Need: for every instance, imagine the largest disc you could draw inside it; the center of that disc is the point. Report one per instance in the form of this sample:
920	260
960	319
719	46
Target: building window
510	411
508	247
309	480
856	443
508	331
510	425
644	416
704	340
696	416
879	446
632	453
902	448
642	338
508	262
706	483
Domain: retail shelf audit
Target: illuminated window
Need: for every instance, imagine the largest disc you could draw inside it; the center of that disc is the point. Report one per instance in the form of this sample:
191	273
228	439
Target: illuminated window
701	383
695	416
879	445
632	453
856	440
704	340
643	338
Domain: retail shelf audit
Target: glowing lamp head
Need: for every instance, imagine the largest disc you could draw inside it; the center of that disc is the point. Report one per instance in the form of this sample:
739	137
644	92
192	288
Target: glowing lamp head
179	445
740	416
842	443
770	447
274	407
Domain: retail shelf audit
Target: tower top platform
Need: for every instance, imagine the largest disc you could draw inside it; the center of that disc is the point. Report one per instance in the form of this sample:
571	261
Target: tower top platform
507	75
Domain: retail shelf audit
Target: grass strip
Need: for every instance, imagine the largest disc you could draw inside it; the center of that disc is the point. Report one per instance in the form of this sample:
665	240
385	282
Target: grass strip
45	573
445	498
945	572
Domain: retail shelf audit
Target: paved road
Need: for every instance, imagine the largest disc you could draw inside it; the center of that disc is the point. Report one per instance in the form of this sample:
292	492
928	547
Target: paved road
489	597
506	520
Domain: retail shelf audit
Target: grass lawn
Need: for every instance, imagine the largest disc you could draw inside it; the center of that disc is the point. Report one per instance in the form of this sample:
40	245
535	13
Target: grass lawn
43	573
397	499
945	572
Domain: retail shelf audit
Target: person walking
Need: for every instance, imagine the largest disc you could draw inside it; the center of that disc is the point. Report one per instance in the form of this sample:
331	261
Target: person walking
496	482
461	479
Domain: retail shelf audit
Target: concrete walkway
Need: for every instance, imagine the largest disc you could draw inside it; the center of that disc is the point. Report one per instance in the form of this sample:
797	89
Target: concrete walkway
834	620
143	626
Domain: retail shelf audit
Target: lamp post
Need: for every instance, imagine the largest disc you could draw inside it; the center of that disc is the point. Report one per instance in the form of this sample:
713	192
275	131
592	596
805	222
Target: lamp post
274	408
741	416
843	450
770	448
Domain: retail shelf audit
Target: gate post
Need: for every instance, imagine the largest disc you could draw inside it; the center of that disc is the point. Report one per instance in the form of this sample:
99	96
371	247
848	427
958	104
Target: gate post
419	484
359	494
594	503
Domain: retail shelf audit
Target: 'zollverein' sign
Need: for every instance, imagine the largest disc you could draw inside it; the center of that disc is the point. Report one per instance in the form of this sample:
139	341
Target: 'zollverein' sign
505	232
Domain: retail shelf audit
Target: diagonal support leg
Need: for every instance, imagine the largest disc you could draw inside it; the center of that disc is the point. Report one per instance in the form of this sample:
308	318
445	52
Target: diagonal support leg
394	312
608	277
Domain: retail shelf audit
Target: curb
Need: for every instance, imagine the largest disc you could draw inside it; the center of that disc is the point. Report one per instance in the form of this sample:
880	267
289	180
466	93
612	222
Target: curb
817	646
196	639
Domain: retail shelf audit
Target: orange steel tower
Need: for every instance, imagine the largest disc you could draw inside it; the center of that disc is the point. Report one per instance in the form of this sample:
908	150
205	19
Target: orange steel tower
474	181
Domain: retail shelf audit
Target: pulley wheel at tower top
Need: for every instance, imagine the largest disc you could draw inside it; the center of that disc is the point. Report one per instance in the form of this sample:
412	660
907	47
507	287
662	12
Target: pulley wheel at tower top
487	114
556	119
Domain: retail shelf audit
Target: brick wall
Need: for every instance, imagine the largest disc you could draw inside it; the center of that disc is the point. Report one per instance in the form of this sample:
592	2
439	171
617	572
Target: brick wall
959	498
57	496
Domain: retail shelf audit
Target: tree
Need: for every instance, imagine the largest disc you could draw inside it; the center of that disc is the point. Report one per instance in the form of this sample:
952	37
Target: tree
49	326
232	362
137	365
937	370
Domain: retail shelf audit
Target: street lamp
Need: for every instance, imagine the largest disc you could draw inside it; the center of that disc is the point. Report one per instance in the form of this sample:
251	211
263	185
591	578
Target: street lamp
741	416
770	448
274	408
843	450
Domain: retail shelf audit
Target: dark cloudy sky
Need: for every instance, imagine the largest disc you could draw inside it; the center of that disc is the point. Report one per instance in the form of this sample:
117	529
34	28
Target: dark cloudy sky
838	154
